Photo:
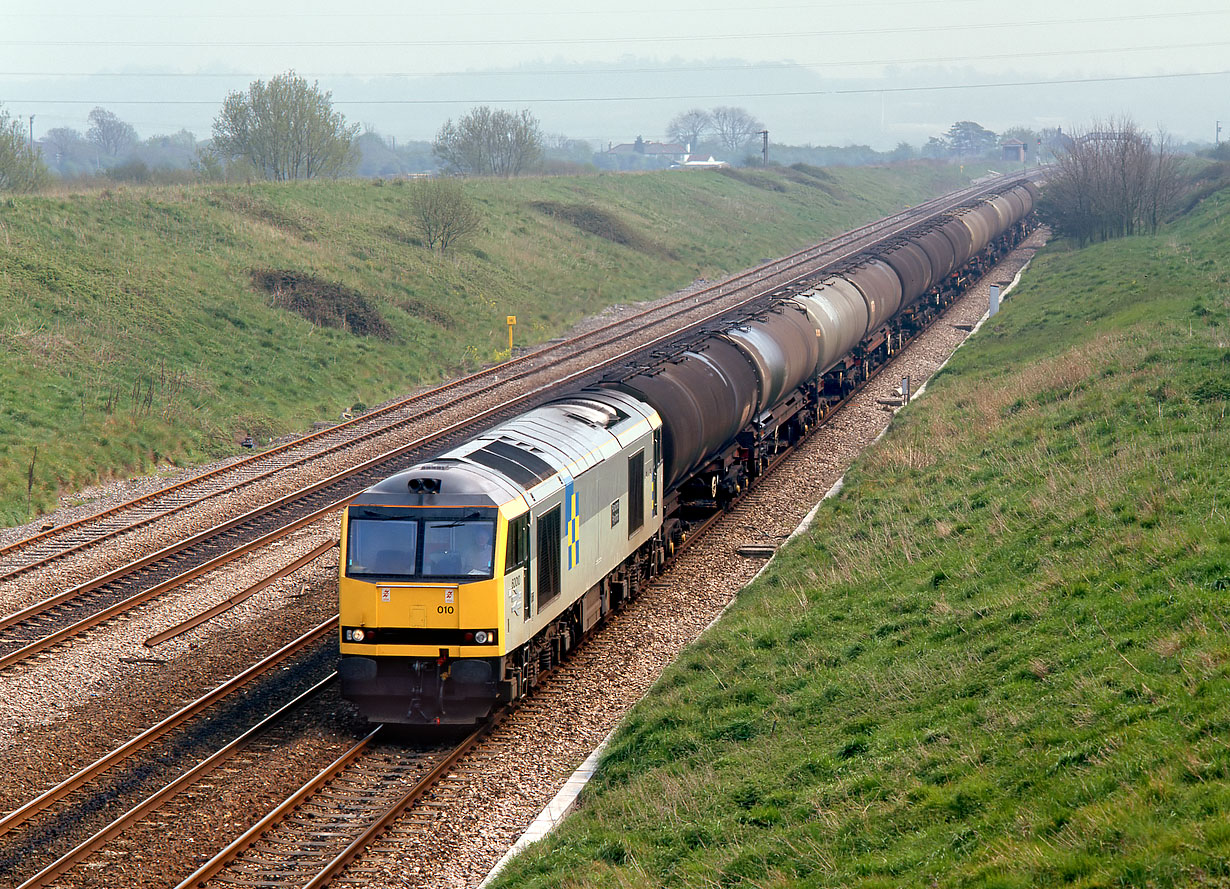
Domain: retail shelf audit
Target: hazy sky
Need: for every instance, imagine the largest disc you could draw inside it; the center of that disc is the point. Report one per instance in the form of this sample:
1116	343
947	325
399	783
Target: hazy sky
163	68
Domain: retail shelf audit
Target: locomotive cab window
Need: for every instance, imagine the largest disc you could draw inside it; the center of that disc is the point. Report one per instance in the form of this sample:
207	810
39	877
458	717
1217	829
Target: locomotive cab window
458	549
517	557
382	548
549	556
636	492
404	544
657	461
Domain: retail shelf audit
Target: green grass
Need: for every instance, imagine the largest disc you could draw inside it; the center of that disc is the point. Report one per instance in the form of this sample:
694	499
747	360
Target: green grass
1000	658
135	329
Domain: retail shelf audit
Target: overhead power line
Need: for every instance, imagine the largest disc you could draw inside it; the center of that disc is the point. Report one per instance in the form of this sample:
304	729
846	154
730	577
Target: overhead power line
673	98
606	71
518	12
689	38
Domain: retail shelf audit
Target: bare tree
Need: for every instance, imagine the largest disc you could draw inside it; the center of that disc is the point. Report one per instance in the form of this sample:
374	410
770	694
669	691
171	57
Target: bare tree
489	142
287	129
1165	182
690	127
112	135
1110	181
442	213
734	127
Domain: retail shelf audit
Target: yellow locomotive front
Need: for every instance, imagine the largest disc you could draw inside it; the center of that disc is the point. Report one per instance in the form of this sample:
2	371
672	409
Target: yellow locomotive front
421	609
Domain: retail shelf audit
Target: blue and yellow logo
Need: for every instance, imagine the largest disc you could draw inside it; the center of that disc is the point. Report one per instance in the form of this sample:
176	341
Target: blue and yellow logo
572	524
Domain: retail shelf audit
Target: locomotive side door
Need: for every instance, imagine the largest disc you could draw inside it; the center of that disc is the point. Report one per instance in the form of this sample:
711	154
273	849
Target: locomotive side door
518	598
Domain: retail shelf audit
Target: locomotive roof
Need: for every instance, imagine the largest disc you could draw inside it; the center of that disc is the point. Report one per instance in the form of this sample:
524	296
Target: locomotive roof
530	456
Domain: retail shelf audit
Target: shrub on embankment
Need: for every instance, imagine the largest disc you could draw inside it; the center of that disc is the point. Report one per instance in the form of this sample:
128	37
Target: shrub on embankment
1000	657
148	325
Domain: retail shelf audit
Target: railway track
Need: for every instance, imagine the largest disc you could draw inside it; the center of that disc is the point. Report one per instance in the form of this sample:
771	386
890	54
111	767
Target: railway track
326	824
58	815
54	620
55	543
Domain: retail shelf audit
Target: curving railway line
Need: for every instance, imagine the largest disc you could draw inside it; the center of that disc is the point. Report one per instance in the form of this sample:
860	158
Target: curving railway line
449	414
641	329
84	800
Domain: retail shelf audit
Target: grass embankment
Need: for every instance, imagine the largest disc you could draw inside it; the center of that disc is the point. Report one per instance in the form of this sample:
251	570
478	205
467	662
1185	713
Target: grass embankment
1000	657
139	325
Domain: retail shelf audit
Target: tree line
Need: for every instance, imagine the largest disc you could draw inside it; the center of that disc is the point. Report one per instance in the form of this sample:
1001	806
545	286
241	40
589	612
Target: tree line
287	128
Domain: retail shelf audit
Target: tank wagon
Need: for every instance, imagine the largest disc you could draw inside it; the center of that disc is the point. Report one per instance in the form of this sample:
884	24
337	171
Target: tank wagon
463	578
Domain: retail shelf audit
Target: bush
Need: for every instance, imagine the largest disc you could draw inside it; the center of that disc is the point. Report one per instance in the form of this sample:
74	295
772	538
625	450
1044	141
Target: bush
442	213
130	171
21	168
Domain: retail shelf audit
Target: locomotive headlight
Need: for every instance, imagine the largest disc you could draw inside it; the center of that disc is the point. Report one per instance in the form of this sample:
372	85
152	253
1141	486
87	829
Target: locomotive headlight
357	635
481	637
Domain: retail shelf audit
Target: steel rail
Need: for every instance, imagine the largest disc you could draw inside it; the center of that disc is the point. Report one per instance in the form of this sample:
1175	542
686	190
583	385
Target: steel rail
215	866
218	863
371	833
117	608
452	384
223	607
365	839
84	850
49	797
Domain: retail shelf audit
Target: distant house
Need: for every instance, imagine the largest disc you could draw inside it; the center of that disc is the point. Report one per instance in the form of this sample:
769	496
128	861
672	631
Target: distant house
667	152
1014	150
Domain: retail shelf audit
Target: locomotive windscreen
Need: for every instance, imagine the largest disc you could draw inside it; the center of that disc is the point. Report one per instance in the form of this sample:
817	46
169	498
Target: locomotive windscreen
419	544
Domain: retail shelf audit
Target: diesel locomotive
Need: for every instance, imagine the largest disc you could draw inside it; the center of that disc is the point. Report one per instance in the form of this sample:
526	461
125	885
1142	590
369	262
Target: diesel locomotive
465	577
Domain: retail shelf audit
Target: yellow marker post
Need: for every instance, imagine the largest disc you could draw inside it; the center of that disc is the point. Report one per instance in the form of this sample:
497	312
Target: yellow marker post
512	322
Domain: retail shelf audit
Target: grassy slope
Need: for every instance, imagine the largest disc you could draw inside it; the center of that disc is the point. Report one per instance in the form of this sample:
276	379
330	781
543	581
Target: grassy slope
1000	658
133	333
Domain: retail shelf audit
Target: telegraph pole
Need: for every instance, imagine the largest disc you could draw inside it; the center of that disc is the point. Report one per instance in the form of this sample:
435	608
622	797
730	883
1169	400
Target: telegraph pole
764	134
31	132
1217	134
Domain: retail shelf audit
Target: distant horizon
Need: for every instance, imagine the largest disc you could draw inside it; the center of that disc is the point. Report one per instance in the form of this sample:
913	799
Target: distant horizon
821	73
868	112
